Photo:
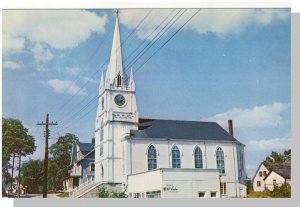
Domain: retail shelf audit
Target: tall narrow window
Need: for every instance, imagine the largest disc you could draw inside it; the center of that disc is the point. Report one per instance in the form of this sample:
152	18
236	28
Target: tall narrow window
102	172
223	188
175	157
152	162
101	138
119	80
198	158
220	160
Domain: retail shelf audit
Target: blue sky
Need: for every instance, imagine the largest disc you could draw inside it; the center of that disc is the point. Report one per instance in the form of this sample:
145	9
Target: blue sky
224	64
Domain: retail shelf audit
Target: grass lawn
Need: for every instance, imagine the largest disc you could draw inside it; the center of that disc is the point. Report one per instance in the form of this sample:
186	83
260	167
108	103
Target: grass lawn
64	195
253	194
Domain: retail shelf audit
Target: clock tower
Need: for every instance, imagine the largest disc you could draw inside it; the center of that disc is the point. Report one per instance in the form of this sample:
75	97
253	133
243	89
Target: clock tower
116	115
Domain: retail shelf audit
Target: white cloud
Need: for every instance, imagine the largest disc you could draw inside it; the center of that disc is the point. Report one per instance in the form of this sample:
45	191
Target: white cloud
41	53
66	87
91	80
73	70
11	44
61	29
257	117
268	144
11	65
221	22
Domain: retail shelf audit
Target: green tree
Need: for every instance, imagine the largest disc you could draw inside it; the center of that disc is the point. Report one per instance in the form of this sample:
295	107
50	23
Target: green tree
32	175
15	142
278	158
283	191
60	160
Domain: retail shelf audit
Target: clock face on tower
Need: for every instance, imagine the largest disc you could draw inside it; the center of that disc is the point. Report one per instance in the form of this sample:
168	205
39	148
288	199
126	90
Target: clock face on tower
119	100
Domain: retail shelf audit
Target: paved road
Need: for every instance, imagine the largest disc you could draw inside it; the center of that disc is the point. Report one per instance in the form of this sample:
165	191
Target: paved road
50	195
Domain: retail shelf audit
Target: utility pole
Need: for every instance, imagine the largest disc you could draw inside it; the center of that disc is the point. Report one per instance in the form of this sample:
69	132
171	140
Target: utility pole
46	124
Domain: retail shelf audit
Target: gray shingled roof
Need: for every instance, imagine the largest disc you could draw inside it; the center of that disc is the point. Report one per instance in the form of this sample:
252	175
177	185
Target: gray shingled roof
284	171
173	129
86	147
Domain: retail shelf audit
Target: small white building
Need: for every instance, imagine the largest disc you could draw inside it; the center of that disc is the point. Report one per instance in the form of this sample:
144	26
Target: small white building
268	175
175	182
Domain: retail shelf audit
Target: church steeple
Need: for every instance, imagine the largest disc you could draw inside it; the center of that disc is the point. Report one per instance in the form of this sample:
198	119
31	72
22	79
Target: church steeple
115	73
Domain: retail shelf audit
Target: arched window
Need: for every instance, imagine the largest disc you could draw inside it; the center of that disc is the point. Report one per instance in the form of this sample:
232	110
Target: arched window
175	157
119	80
198	158
220	160
152	162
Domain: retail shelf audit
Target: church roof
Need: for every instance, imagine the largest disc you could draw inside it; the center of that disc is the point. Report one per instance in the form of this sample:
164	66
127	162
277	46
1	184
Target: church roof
174	129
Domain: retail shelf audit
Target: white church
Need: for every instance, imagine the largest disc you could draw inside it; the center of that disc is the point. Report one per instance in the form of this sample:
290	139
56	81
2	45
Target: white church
153	158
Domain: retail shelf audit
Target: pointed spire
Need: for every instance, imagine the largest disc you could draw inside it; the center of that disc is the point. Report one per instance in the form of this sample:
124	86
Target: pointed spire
131	80
116	63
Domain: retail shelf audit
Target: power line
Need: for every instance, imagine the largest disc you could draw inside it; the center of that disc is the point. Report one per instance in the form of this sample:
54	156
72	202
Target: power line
81	88
144	53
158	36
78	77
133	52
167	41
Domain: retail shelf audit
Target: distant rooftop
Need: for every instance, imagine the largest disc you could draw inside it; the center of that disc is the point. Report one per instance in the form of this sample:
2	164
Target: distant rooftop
86	147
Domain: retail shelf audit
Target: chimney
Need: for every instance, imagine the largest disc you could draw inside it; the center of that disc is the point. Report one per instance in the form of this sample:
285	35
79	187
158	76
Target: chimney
93	140
230	127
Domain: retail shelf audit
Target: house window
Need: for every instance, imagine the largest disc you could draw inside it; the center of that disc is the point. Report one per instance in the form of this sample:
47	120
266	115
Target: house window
175	157
274	181
223	188
258	184
201	194
198	158
220	160
92	167
265	173
152	162
260	173
213	194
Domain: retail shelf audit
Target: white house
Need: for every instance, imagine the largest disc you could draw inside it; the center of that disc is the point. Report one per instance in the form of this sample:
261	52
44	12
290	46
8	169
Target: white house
159	158
268	175
258	179
278	176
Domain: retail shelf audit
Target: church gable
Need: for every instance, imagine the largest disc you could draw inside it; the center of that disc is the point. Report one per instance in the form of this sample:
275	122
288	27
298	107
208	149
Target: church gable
174	129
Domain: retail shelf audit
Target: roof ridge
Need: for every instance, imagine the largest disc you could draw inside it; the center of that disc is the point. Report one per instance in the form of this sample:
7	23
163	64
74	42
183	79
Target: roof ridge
153	119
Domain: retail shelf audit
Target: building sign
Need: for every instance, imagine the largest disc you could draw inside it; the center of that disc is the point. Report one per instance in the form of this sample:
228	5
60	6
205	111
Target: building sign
170	188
